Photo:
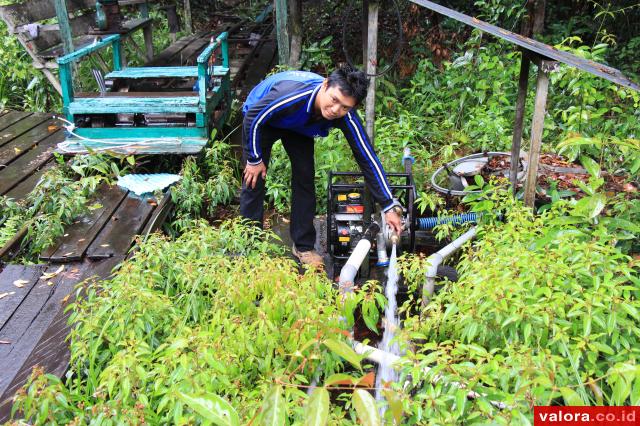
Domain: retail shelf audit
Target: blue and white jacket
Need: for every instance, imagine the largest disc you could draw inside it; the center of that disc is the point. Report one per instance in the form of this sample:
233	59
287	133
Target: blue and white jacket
285	101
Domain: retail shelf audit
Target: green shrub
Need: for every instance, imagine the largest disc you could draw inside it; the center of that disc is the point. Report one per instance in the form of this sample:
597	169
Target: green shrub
546	311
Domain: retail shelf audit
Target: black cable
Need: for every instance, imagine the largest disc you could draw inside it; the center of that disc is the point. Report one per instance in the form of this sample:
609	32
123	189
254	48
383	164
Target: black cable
396	56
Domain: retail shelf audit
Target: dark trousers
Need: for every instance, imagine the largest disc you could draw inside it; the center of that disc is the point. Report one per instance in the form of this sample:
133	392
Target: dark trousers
299	148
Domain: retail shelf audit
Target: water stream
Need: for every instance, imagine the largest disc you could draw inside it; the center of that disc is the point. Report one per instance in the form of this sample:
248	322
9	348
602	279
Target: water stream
391	324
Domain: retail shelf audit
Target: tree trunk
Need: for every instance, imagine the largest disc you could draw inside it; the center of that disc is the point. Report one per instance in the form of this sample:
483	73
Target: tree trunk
295	14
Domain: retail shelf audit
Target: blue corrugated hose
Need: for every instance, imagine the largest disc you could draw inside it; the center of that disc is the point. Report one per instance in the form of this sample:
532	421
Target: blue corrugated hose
457	219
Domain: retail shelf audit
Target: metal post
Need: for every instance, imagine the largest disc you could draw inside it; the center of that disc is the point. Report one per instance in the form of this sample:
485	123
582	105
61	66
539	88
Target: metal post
537	127
372	52
282	31
523	86
65	27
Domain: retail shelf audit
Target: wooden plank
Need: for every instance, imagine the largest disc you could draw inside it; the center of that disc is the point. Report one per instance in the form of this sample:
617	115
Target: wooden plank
49	35
15	295
84	230
170	56
51	351
58	50
24	142
189	55
31	320
117	236
38	10
21	127
12	117
132	135
26	186
26	164
123	104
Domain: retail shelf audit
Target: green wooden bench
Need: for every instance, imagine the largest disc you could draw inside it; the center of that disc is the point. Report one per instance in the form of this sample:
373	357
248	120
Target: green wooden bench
46	30
209	104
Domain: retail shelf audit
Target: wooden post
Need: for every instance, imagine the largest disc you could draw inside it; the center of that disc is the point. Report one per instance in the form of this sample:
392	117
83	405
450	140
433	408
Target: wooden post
65	28
295	11
372	52
533	24
365	30
188	24
282	31
537	127
523	86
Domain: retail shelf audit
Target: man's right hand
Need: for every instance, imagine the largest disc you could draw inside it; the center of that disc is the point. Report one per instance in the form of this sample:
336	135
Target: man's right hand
251	174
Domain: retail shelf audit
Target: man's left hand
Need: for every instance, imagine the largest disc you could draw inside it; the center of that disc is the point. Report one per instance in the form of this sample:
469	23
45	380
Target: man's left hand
394	221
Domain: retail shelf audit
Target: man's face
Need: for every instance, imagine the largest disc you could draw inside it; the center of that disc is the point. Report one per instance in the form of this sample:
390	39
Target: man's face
332	103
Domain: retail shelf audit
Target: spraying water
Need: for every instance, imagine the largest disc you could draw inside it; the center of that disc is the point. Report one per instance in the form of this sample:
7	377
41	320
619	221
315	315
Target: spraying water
385	372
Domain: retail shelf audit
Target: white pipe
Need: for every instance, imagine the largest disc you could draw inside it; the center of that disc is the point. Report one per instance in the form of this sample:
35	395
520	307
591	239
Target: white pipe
379	356
437	258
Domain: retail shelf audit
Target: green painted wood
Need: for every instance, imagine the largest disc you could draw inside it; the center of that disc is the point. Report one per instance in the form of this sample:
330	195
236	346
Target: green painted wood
112	39
65	27
203	58
163	72
67	89
154	72
140	132
114	105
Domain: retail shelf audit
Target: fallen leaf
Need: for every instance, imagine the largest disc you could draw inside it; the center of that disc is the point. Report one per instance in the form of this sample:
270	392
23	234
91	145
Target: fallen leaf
49	283
104	245
64	299
52	128
3	295
5	342
65	235
49	275
17	150
68	254
20	283
81	240
368	380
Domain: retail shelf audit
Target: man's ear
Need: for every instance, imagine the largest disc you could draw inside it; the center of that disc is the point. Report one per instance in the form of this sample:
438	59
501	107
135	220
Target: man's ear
325	84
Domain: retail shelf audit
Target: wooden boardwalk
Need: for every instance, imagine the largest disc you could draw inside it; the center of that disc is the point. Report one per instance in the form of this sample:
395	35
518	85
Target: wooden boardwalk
33	324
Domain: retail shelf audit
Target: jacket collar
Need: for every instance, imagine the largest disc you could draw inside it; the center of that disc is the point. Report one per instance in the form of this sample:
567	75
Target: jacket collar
312	98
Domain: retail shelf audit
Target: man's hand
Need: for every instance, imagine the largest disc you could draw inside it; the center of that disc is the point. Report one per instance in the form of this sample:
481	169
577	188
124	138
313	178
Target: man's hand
394	221
251	174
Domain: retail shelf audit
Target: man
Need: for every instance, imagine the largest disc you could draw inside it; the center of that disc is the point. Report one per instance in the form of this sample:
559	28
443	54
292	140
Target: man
295	107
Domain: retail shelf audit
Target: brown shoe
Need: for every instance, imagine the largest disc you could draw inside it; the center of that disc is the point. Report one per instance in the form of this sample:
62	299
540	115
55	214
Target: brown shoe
311	257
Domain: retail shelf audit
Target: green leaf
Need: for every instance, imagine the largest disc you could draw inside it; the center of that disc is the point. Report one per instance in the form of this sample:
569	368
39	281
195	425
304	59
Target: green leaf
274	408
345	351
212	407
317	410
591	206
571	397
592	167
366	408
395	404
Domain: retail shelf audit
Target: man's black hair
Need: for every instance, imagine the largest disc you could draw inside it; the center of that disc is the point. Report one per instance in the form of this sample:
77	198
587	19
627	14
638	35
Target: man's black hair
351	82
